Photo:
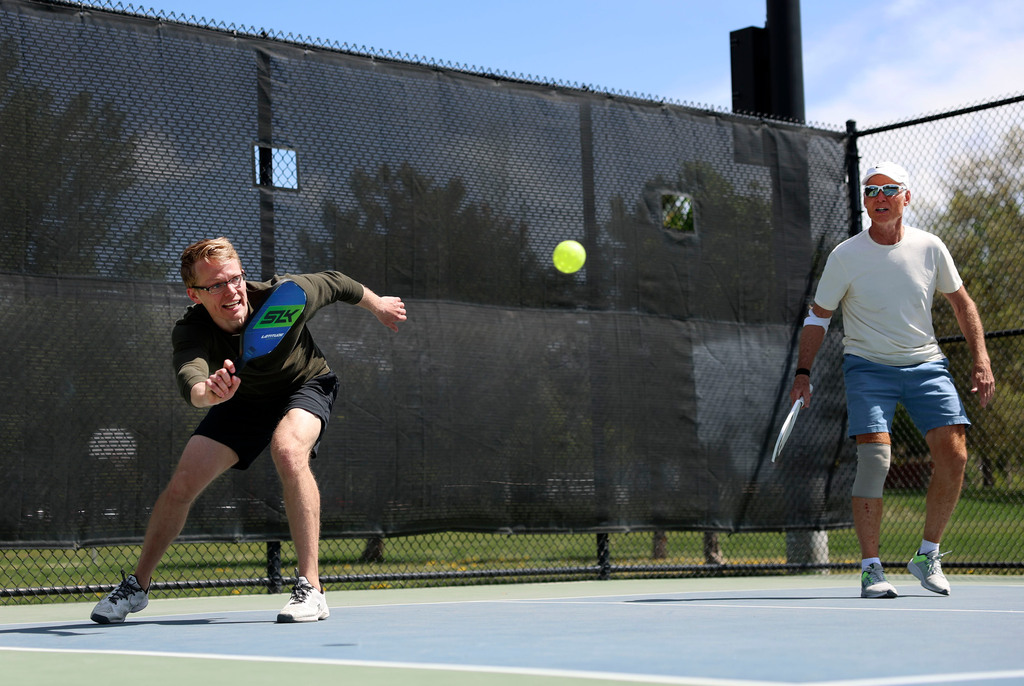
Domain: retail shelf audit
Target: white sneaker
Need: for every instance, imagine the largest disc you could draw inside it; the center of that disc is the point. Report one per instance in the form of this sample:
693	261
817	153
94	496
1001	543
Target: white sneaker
873	583
928	570
306	604
127	597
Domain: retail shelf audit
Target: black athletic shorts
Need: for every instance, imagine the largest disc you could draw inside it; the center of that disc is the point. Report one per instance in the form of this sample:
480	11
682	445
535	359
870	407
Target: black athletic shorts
246	426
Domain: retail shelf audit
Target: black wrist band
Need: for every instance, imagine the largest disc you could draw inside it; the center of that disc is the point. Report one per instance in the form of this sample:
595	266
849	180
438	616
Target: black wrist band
803	370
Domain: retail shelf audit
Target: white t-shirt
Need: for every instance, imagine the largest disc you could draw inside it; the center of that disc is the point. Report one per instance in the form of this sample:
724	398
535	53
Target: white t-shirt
886	292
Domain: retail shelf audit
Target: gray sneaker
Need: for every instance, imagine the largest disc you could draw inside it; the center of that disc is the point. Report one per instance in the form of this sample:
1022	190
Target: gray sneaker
928	570
873	583
127	597
306	604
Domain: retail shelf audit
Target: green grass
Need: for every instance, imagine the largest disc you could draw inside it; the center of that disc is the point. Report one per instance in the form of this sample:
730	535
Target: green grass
985	529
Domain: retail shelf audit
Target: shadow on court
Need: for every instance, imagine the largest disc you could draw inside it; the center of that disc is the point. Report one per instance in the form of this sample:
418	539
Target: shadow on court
77	628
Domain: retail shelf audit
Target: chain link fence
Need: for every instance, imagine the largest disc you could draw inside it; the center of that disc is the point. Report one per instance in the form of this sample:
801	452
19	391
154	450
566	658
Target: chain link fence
967	171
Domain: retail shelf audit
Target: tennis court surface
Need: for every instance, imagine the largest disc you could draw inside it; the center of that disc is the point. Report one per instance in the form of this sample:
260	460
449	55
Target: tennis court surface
749	631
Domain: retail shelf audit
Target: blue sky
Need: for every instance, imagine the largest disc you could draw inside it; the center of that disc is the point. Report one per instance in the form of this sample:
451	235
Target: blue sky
874	61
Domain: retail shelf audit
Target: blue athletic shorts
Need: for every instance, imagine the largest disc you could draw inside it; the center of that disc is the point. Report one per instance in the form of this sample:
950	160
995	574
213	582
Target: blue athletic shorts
246	426
926	390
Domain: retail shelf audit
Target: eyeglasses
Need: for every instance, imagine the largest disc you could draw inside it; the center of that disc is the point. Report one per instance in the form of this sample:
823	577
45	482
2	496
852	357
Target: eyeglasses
888	190
218	287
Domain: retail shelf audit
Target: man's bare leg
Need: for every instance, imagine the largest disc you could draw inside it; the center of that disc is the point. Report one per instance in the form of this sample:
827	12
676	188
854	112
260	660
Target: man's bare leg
948	445
202	461
291	447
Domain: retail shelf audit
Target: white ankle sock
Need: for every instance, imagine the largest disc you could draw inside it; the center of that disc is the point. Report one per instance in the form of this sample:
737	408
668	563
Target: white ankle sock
927	547
867	562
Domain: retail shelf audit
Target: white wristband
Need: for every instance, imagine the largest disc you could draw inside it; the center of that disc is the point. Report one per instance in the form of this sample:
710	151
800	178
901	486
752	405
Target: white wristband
814	320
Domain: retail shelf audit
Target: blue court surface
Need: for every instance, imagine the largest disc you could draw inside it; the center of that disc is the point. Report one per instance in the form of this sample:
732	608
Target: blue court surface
747	631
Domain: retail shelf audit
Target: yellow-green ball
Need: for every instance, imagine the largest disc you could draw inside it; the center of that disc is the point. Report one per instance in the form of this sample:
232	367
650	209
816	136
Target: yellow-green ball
569	257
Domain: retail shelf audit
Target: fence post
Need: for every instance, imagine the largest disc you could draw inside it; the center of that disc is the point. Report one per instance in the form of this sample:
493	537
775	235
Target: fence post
808	548
604	558
275	581
853	176
265	134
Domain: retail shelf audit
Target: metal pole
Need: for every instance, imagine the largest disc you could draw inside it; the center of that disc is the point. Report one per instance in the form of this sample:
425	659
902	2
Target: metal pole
604	557
275	581
853	176
265	133
786	59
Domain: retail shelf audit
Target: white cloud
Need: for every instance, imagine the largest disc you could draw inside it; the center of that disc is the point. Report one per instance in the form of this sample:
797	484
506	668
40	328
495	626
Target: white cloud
904	59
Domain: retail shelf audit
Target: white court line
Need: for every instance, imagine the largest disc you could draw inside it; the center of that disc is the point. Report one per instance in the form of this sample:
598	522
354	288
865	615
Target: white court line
697	602
562	673
1015	674
841	608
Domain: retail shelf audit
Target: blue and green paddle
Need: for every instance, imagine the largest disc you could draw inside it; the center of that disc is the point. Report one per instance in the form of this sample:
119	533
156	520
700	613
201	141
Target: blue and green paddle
271	322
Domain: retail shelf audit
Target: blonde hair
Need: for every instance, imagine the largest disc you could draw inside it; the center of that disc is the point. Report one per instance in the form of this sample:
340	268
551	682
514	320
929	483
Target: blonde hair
211	250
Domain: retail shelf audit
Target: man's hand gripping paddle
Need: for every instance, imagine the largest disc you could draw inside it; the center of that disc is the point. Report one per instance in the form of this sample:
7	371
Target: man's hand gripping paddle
787	426
271	322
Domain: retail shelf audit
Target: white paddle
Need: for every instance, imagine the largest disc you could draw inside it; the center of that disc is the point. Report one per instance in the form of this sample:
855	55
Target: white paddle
787	426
